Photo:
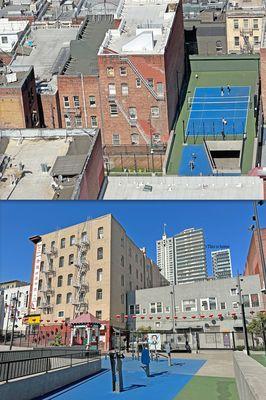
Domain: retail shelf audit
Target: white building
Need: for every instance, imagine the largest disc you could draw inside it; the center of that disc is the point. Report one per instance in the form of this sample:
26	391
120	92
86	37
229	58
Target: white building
10	33
182	258
11	311
221	264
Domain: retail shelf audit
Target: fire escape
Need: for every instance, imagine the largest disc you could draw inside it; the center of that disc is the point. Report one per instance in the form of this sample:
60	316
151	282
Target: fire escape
247	47
82	266
49	272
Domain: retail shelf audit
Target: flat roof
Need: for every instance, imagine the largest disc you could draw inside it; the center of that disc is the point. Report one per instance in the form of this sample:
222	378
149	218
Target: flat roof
184	188
46	45
34	167
15	77
83	51
144	28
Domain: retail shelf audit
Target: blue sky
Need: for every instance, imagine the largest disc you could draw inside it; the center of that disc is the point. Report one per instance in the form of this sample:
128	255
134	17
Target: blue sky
224	224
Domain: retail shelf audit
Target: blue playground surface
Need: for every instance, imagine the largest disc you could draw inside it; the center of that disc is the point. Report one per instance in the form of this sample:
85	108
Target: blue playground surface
212	113
164	383
194	161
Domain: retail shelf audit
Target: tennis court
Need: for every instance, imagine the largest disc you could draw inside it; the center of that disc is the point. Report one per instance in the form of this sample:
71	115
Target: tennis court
194	161
214	111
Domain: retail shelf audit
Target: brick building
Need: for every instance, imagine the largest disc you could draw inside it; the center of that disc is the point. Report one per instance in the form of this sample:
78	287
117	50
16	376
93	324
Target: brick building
18	99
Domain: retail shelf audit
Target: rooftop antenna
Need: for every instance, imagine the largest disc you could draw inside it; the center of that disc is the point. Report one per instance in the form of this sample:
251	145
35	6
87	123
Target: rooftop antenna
164	231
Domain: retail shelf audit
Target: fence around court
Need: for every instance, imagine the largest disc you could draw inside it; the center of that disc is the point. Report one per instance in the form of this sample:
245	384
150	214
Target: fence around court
34	365
37	353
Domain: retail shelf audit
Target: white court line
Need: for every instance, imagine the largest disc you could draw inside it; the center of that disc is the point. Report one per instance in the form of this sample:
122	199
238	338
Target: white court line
218	118
222	110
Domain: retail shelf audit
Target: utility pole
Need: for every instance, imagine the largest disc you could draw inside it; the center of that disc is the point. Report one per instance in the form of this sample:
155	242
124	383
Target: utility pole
14	321
243	315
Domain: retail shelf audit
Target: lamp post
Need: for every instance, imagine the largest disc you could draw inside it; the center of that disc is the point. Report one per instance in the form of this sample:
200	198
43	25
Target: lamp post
262	257
14	320
243	315
172	293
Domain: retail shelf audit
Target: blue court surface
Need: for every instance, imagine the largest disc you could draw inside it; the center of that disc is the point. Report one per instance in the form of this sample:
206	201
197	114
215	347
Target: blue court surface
164	383
215	112
194	161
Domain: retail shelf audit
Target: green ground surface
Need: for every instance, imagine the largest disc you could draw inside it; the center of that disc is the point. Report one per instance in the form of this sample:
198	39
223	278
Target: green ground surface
261	358
211	79
209	388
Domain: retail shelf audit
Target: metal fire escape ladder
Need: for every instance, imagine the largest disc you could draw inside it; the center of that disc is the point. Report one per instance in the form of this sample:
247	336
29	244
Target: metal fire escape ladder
82	268
143	80
131	122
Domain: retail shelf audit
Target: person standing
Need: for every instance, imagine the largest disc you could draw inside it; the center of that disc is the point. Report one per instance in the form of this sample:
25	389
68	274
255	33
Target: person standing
145	359
168	352
229	89
222	91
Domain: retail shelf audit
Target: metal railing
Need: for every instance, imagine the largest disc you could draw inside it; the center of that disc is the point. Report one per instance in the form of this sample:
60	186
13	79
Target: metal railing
34	365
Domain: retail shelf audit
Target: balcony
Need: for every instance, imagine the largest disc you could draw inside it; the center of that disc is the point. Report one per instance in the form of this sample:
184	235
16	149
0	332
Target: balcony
78	302
83	286
47	290
46	306
49	270
81	264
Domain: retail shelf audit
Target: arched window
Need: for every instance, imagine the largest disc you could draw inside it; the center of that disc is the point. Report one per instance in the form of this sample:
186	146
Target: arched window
71	259
69	279
122	261
60	281
99	274
99	294
61	261
69	298
100	253
59	299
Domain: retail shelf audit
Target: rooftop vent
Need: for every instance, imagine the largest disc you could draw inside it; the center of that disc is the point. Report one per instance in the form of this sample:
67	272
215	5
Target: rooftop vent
12	77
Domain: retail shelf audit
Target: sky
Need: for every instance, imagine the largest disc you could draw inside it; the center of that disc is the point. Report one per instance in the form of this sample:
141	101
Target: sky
224	224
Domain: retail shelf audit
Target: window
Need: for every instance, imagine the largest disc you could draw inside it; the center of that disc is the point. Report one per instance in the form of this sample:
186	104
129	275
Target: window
38	301
4	39
59	299
144	311
156	138
137	309
136	258
122	261
236	24
235	304
208	304
94	122
67	121
70	279
131	309
66	101
132	113
48	299
110	71
78	121
100	233
99	294
60	281
130	268
212	303
72	240
60	313
111	89
124	89
71	259
40	284
53	245
245	23
76	101
156	308
236	38
189	305
123	71
135	138
43	248
155	113
99	274
84	237
150	82
98	314
116	139
254	300
130	252
122	298
63	243
122	242
223	305
113	108
233	292
256	40
167	309
49	283
122	280
69	298
245	299
92	101
137	274
138	82
255	23
100	253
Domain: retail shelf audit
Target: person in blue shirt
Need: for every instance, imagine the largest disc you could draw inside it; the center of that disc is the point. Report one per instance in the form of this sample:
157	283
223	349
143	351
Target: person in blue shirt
145	359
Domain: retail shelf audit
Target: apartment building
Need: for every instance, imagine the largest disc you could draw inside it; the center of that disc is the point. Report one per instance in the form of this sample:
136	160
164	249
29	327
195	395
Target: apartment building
88	267
221	264
15	307
244	26
207	306
182	258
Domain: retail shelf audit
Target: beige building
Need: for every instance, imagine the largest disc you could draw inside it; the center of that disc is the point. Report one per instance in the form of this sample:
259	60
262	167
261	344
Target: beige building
89	267
244	26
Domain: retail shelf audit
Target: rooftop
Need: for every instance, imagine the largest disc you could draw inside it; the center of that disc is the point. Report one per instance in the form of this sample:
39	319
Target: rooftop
184	188
43	164
7	26
83	51
14	77
246	7
47	45
144	28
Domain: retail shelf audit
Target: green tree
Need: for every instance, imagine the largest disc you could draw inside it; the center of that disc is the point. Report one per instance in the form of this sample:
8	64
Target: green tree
57	340
257	323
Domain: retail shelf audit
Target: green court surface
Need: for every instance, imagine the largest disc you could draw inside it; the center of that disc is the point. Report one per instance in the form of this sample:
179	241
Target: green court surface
261	358
210	72
209	388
